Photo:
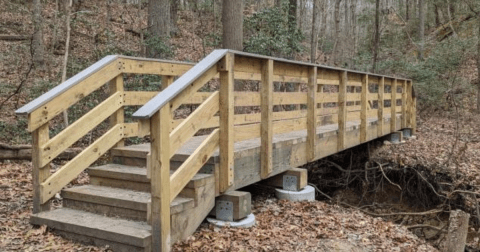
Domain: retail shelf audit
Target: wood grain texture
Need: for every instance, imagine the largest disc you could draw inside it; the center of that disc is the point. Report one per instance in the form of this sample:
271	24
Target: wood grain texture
266	128
226	122
312	113
40	173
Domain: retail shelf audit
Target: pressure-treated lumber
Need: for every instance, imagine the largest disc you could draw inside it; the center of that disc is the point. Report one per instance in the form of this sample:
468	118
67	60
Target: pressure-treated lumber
342	110
266	126
363	109
160	179
192	89
192	165
393	107
75	166
312	113
40	173
80	128
116	85
193	123
381	102
63	101
226	67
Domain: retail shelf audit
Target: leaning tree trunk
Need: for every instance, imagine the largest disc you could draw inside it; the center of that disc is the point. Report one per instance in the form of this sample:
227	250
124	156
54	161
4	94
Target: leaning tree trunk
37	39
232	20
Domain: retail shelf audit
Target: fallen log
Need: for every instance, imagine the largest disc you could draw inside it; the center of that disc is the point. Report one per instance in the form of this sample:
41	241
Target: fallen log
24	152
457	231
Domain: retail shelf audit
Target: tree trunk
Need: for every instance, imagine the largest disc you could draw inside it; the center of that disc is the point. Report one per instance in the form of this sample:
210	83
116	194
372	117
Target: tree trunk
314	41
457	231
407	10
478	63
174	14
337	33
232	20
377	36
158	21
37	39
421	28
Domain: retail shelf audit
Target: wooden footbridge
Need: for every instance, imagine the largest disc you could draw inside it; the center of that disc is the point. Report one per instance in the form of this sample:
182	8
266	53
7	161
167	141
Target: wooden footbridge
154	194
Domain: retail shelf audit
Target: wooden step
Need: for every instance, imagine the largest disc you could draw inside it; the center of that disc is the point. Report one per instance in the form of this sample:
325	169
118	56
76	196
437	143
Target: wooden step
133	178
117	202
118	234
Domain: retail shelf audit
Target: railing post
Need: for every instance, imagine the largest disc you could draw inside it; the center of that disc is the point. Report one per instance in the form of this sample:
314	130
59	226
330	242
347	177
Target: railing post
160	178
225	67
266	125
363	109
393	107
342	110
381	90
404	104
312	113
39	173
116	85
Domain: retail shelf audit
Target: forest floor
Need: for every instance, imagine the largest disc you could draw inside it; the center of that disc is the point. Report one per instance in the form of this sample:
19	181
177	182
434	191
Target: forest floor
445	154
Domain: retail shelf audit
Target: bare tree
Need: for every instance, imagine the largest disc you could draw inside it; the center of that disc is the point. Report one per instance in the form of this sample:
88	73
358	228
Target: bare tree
421	28
232	19
377	35
337	33
159	20
314	41
37	38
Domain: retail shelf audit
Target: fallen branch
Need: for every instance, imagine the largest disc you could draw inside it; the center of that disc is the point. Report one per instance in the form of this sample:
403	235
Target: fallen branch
24	152
15	37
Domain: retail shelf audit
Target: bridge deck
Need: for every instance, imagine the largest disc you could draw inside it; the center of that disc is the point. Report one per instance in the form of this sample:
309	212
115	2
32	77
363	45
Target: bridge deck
289	150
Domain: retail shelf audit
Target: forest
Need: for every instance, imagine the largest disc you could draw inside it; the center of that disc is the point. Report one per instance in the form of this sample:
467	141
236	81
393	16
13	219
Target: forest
419	195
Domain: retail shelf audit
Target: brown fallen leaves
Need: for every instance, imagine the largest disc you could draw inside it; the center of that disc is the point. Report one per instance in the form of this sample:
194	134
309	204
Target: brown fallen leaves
306	226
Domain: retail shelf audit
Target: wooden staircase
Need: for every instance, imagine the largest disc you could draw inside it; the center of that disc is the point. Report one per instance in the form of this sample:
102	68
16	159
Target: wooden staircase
112	209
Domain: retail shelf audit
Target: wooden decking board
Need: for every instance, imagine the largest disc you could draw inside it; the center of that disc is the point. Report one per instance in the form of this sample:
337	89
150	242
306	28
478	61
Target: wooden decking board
116	197
128	232
137	174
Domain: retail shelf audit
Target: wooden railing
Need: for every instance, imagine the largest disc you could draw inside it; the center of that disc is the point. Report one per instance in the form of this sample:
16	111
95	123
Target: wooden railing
319	96
322	96
42	110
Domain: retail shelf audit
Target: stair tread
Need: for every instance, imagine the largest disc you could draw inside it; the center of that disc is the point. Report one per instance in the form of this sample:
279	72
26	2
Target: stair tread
135	233
118	197
136	174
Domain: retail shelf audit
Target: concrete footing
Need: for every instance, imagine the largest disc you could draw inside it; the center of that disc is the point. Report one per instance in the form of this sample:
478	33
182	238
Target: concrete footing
247	222
306	194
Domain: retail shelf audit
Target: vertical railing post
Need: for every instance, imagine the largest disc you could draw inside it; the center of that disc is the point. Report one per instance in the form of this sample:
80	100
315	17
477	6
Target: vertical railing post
312	113
39	173
381	101
266	124
414	112
393	107
409	104
225	67
160	125
342	110
116	85
363	109
404	104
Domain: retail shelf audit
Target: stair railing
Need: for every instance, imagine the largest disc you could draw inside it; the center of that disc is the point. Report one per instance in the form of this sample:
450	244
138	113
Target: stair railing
42	110
332	96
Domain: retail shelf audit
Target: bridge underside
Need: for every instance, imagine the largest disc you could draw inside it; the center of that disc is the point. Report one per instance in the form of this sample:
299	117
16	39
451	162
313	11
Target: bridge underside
289	150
